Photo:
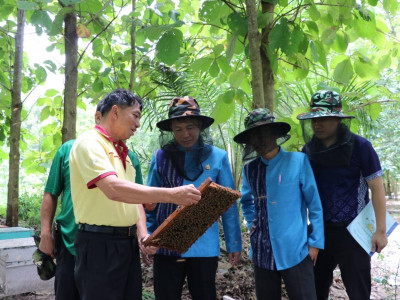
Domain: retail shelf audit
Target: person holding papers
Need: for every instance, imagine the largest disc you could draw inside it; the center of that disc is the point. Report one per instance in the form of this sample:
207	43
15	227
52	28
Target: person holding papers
345	165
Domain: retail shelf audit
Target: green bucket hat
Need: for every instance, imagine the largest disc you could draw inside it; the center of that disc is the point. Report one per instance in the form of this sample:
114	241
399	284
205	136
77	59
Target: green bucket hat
184	107
257	118
46	266
324	104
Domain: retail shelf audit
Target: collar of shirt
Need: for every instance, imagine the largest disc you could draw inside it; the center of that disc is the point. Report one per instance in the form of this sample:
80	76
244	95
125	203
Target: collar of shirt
274	160
120	147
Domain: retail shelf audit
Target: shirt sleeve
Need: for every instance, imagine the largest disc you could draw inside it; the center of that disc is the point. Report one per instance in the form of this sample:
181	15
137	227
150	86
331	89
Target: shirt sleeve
230	219
54	183
92	161
247	202
136	165
314	206
153	179
370	164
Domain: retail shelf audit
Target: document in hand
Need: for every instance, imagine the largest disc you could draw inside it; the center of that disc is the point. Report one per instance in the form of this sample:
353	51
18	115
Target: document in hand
186	224
363	227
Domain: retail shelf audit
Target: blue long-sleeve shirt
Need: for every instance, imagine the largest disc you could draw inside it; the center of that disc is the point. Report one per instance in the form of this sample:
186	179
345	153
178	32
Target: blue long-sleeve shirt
218	168
292	198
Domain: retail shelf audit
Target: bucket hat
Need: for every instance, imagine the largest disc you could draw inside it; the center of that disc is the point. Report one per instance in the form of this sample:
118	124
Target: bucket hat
46	266
325	103
184	107
257	118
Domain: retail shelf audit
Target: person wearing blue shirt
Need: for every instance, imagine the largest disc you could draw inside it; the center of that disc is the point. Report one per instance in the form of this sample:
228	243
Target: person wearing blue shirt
187	156
345	166
279	198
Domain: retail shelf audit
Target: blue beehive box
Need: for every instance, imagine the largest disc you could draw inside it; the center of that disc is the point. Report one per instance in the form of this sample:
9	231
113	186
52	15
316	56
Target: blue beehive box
8	233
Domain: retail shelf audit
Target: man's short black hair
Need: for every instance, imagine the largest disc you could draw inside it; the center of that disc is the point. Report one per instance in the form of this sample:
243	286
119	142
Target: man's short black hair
119	97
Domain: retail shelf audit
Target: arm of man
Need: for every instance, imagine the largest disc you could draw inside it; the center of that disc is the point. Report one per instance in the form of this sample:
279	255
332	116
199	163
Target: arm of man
47	212
379	239
142	235
125	191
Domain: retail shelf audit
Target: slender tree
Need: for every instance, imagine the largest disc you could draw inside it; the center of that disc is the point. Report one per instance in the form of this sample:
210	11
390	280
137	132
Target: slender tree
15	128
71	77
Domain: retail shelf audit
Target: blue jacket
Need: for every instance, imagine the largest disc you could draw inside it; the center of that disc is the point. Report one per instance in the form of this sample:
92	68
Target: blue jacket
291	193
218	168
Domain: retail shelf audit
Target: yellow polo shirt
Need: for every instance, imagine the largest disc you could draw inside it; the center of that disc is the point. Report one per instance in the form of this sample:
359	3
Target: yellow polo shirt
93	157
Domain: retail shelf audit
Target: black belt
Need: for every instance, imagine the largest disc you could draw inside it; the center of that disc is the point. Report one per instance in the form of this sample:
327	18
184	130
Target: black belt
123	231
337	224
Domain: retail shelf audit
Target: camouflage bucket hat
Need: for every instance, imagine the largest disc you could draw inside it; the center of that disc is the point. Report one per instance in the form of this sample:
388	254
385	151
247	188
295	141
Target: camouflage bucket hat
183	107
324	104
46	266
257	118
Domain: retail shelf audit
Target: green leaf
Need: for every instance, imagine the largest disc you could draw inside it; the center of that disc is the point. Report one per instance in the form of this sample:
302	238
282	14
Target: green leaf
218	50
296	38
213	10
341	42
321	54
51	66
224	65
224	107
98	85
236	78
41	74
373	2
168	47
314	13
237	23
384	61
44	113
96	65
390	5
202	64
50	93
70	2
230	49
313	28
40	17
374	110
279	36
214	69
265	19
25	5
97	47
328	35
343	72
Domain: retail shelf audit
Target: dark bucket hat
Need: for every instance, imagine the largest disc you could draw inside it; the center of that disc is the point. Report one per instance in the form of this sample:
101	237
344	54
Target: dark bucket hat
184	107
324	104
257	118
46	267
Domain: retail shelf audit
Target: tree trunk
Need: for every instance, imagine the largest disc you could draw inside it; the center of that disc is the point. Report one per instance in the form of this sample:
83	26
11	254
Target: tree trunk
268	73
71	77
133	48
15	128
255	59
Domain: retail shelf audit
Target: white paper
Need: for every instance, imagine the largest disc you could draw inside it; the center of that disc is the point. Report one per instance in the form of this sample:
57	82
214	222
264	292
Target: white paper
363	227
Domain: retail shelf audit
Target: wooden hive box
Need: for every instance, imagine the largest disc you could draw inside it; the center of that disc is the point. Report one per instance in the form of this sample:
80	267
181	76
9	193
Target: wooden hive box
186	224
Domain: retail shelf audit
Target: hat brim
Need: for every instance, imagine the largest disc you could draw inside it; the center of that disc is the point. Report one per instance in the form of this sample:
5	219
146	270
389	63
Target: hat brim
243	137
314	115
166	124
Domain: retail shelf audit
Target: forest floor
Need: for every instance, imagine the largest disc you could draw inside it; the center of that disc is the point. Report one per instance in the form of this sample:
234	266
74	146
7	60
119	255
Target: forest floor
238	282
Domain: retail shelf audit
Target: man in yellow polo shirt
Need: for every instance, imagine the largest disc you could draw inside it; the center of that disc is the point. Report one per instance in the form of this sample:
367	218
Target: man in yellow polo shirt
105	202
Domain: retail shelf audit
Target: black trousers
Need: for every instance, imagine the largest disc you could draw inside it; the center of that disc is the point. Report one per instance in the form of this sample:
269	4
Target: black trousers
107	267
354	263
170	273
64	283
299	282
